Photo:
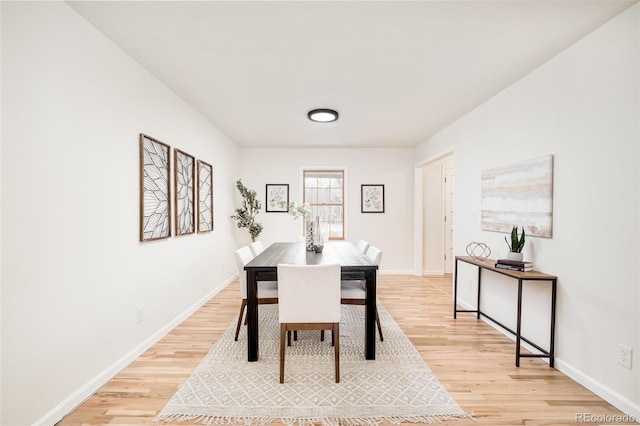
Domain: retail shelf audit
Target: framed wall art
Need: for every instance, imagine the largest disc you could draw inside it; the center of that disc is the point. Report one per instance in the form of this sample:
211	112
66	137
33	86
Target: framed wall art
372	199
205	197
277	198
184	178
519	194
155	195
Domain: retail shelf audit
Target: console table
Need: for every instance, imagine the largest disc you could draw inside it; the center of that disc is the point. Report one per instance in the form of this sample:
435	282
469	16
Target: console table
489	264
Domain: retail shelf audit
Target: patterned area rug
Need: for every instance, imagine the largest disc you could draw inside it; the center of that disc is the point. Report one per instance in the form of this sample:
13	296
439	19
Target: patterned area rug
396	387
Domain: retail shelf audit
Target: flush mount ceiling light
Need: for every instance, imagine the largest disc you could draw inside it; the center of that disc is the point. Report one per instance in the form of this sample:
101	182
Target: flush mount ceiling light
323	115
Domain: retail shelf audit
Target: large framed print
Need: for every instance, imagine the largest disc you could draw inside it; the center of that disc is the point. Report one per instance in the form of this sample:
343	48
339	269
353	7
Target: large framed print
519	194
205	197
184	178
372	199
277	198
155	195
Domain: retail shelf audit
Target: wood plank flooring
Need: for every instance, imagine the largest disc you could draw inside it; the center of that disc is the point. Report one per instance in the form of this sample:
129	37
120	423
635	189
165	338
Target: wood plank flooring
472	360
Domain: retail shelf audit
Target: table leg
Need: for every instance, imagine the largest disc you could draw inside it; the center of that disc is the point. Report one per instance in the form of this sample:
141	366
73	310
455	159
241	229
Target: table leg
455	289
553	322
479	286
252	316
370	316
518	323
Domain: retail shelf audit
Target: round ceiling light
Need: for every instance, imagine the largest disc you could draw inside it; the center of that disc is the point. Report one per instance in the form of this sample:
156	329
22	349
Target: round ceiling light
323	115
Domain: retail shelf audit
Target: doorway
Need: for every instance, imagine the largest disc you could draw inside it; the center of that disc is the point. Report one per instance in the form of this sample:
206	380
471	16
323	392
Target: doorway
438	184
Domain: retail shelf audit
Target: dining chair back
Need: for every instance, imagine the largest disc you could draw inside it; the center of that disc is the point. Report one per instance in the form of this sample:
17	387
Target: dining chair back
243	256
256	248
309	299
375	254
363	246
354	292
267	290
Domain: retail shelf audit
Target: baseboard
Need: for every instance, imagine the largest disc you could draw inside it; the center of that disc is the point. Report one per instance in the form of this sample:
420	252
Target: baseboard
436	272
612	397
78	397
397	272
603	391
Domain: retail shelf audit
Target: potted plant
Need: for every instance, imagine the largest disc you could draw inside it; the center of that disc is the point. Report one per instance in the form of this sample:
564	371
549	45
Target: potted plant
297	210
245	216
516	246
313	239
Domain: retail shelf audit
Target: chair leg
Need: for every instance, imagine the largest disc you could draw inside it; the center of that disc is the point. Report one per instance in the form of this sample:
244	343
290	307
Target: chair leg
295	336
242	306
322	335
379	326
283	331
335	336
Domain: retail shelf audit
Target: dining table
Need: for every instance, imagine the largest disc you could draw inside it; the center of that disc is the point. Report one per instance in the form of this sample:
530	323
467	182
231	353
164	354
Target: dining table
354	265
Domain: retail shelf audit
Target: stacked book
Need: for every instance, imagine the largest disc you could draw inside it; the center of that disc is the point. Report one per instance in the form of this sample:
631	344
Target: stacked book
514	265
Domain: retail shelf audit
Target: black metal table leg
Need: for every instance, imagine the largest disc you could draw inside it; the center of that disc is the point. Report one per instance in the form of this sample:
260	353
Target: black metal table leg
479	285
455	289
370	315
519	323
553	323
252	316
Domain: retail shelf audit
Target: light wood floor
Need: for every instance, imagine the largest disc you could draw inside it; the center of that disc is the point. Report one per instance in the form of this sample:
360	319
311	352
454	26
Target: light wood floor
472	360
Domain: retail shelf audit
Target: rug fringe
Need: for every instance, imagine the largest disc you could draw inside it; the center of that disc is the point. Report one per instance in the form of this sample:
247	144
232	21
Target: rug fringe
214	420
324	421
374	421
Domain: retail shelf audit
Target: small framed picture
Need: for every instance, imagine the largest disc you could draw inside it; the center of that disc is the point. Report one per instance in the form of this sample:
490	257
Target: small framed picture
372	200
277	198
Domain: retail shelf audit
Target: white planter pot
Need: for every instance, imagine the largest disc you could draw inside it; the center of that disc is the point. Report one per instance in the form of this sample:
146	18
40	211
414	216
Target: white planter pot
514	256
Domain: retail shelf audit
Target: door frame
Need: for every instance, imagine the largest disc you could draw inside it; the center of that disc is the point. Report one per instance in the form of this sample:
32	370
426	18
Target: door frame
446	225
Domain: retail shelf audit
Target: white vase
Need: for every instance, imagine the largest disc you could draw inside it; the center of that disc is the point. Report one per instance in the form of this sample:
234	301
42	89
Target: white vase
309	234
514	256
318	241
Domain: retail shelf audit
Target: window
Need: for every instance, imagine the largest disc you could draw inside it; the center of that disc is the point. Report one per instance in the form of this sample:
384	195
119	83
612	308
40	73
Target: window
324	192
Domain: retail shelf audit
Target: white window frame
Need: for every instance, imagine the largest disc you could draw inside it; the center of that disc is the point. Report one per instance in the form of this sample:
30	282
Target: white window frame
345	194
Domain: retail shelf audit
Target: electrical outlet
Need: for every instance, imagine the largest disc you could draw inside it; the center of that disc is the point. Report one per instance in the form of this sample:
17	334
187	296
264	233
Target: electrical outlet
140	313
625	354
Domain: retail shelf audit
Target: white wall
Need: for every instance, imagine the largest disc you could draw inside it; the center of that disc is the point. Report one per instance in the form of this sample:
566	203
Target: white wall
433	229
582	107
73	270
391	231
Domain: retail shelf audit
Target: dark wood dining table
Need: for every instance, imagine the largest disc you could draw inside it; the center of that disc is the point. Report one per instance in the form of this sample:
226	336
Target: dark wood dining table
354	265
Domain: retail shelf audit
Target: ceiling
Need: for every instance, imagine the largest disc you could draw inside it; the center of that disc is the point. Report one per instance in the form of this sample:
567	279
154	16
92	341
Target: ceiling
398	72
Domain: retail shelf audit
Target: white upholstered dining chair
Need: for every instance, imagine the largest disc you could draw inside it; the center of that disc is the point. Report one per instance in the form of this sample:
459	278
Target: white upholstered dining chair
354	292
363	246
267	290
309	299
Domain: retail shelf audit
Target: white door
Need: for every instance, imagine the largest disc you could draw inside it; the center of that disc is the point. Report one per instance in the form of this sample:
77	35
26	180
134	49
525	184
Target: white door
448	219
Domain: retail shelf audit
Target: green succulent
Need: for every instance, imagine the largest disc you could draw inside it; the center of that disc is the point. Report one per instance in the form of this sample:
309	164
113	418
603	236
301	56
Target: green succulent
517	244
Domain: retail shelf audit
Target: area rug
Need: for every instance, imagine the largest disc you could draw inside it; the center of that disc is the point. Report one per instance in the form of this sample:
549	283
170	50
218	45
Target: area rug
395	387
